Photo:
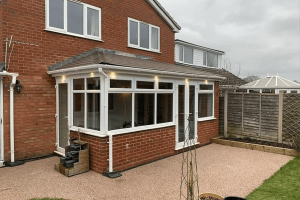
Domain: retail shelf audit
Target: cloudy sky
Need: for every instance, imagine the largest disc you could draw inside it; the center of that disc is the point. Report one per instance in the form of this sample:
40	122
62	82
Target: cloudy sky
262	36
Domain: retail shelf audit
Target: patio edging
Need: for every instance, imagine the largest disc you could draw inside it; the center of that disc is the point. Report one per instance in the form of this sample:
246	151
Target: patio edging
258	147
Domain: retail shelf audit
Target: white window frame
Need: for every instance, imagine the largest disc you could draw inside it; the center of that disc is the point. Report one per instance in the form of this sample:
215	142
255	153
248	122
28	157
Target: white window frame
213	99
205	64
150	36
65	30
182	61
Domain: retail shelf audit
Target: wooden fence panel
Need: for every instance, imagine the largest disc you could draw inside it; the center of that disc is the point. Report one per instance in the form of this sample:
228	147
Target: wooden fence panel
221	116
234	113
269	116
251	118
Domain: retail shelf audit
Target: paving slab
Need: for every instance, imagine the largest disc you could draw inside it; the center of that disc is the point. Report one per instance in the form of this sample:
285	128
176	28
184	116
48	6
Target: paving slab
228	171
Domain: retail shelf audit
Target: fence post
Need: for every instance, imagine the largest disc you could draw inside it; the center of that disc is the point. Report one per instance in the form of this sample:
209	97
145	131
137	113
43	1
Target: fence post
225	113
280	113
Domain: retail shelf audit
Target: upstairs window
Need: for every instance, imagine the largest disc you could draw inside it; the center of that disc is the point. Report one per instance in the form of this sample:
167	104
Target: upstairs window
143	36
210	59
73	18
186	54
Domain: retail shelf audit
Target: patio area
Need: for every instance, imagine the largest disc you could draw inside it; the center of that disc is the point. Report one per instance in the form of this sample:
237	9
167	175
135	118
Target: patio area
222	169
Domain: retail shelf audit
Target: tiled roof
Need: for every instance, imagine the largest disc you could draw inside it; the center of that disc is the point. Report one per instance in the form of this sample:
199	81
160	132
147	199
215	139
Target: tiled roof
271	82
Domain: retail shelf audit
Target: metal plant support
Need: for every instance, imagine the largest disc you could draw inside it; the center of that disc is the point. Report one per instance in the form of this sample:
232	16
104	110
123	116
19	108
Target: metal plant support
189	188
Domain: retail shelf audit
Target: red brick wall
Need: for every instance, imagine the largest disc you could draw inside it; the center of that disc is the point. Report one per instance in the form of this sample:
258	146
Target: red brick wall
35	107
1	37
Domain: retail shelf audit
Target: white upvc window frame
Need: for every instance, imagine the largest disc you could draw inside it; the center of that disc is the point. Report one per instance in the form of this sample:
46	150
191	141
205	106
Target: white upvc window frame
182	61
150	34
65	30
213	99
205	64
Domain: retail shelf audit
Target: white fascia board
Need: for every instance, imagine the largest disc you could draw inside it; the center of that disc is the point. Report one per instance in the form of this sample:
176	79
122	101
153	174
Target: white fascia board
164	16
199	47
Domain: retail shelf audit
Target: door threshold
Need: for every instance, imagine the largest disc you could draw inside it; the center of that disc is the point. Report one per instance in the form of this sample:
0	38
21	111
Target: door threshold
59	153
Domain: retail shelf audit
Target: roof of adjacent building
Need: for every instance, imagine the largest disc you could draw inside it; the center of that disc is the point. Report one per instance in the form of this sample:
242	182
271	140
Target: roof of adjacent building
164	14
177	41
117	58
272	82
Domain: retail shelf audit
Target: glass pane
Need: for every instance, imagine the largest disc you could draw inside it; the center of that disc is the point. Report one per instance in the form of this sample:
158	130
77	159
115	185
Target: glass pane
188	55
206	87
164	108
205	107
144	85
92	22
78	109
75	18
63	115
78	84
144	35
93	111
212	60
204	58
56	13
181	113
120	84
144	109
192	120
165	86
154	38
119	111
181	53
133	32
93	83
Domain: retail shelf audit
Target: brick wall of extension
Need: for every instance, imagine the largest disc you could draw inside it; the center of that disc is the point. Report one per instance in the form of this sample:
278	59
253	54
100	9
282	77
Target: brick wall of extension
133	149
35	106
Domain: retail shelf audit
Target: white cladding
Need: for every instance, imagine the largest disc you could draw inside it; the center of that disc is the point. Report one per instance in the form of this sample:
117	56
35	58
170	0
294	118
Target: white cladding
176	53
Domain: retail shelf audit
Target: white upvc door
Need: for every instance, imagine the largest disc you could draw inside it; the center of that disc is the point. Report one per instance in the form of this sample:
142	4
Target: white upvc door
186	113
1	124
62	119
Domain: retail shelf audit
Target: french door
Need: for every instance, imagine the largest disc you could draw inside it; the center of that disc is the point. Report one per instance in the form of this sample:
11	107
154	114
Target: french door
186	114
62	117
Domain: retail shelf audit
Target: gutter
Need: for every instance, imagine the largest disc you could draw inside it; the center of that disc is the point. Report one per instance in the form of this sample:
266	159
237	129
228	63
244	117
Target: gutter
11	115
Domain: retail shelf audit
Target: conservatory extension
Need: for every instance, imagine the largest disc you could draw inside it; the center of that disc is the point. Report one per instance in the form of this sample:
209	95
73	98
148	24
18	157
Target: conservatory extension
102	94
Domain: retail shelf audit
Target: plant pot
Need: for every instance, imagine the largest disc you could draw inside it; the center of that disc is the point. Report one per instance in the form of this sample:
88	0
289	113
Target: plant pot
234	198
205	196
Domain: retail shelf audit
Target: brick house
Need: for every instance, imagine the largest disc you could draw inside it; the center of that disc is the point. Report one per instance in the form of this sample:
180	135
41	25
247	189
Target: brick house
104	69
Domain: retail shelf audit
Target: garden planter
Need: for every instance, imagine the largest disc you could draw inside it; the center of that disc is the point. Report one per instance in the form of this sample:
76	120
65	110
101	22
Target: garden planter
234	198
210	196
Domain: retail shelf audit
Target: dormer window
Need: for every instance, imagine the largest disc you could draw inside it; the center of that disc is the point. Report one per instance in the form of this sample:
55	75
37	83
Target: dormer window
186	54
73	18
143	36
210	59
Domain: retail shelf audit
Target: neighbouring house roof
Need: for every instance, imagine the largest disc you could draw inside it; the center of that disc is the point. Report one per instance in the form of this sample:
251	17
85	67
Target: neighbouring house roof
272	82
164	14
132	61
232	81
177	41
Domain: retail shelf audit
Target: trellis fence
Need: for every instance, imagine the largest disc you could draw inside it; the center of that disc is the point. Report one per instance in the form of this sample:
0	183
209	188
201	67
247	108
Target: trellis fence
270	117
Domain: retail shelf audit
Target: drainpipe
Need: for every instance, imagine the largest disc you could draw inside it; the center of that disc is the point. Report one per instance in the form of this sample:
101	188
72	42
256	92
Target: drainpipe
111	173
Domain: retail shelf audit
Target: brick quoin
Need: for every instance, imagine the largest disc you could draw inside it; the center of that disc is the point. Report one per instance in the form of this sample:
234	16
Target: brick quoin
35	106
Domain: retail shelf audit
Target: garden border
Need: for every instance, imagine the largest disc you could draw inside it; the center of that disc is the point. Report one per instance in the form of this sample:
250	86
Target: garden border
258	147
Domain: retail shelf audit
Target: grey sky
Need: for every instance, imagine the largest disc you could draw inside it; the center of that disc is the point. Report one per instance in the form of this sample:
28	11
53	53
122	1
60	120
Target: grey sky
261	35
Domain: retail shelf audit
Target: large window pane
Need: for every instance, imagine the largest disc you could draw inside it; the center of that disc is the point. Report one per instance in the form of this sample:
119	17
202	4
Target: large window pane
144	109
212	60
181	113
78	84
133	32
154	38
144	85
75	18
93	111
56	13
120	84
188	55
93	83
165	86
78	109
205	107
144	35
206	87
164	108
92	22
119	111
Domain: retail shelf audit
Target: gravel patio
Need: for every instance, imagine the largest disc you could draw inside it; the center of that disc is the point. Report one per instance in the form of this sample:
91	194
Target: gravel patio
223	170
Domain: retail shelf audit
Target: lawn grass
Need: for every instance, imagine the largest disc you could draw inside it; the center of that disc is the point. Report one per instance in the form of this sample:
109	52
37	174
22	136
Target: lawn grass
284	184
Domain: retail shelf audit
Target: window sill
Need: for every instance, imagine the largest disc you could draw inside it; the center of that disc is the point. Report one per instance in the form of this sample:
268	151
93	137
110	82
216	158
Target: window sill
180	146
135	47
73	34
206	119
88	131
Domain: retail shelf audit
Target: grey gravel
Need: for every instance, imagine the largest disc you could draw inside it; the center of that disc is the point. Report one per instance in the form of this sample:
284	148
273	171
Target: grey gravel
223	170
